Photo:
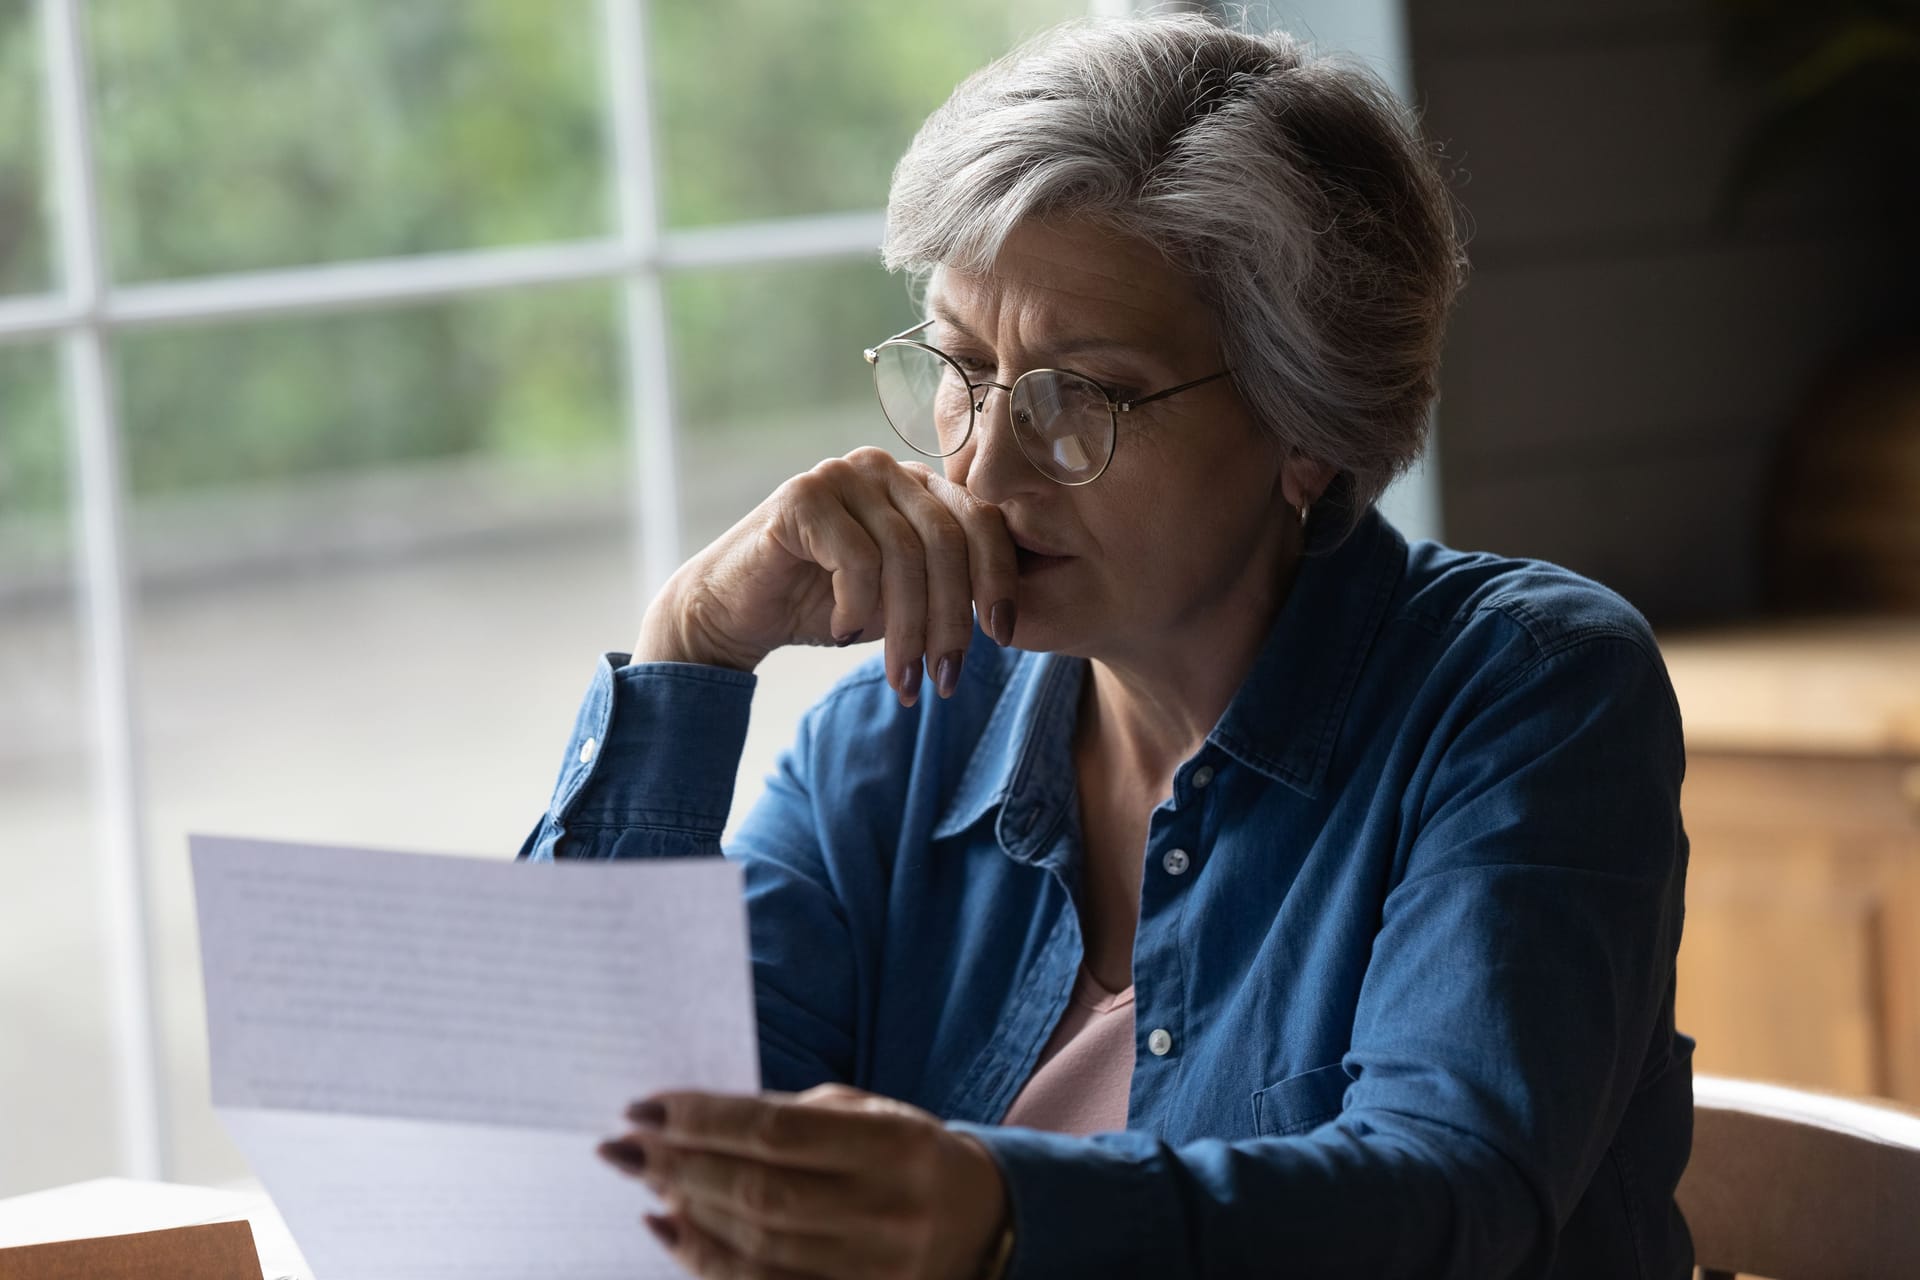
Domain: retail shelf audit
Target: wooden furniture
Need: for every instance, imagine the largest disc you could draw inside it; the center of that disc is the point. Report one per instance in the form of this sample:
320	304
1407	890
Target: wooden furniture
1800	961
1800	1186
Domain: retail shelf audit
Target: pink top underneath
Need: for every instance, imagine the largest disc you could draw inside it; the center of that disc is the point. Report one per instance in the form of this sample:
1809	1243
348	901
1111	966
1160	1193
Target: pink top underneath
1086	1070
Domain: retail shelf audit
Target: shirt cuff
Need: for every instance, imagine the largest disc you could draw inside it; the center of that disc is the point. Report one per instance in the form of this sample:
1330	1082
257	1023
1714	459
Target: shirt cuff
655	745
1084	1206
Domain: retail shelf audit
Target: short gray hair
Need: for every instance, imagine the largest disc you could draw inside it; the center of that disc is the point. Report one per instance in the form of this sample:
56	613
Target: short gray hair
1296	191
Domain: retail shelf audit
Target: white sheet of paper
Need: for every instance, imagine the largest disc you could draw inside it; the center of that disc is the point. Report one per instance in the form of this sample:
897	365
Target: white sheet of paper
417	1053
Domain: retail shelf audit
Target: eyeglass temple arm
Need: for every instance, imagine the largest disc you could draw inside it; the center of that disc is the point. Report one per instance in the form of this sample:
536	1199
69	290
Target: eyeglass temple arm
1126	406
871	354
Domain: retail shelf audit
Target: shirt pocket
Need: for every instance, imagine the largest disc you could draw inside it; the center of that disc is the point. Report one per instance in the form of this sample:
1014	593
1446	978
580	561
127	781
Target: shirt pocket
1300	1102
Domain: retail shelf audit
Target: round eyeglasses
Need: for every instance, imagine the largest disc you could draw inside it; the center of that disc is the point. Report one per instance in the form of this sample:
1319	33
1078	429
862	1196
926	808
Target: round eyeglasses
1065	423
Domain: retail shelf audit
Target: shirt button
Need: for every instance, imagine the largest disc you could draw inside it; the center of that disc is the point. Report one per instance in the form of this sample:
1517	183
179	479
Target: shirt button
586	750
1159	1042
1202	776
1176	862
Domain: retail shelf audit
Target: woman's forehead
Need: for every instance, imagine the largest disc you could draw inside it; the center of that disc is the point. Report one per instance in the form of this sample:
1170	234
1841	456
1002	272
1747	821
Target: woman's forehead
1077	280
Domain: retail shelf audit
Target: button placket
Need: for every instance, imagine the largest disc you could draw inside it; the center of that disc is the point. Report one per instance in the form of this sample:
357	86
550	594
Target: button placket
1158	973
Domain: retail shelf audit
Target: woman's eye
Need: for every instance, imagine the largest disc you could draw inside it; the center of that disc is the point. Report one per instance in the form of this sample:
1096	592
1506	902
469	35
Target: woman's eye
973	364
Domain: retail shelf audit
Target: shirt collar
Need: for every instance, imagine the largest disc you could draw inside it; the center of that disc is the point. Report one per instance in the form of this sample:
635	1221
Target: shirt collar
1288	714
1283	722
1016	766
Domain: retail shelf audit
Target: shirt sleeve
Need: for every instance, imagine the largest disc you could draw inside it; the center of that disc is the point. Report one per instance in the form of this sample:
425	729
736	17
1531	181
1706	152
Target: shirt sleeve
649	767
649	772
1524	958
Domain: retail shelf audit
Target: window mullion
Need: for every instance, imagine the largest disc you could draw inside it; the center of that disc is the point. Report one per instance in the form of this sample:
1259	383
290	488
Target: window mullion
98	501
654	487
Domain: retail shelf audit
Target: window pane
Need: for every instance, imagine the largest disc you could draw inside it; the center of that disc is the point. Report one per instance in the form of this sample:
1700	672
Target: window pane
771	380
34	530
263	135
769	108
26	256
265	410
56	1051
380	555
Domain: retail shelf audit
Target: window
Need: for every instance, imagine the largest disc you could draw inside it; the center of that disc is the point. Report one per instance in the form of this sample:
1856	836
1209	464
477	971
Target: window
369	318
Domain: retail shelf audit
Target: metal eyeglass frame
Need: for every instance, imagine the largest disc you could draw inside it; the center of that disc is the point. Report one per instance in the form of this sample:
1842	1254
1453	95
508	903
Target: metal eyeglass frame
975	403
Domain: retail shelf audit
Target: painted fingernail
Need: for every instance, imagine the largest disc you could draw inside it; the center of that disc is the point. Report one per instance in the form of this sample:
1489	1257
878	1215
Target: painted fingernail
625	1154
651	1115
947	674
910	685
844	641
1000	620
664	1230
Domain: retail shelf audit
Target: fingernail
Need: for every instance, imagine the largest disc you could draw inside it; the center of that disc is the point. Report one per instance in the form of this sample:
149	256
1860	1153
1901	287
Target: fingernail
844	641
651	1115
627	1155
663	1229
910	685
1000	620
947	674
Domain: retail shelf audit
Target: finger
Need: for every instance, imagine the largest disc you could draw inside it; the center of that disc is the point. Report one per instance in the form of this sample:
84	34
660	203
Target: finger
854	1249
706	1255
777	1128
857	486
991	561
903	590
834	540
949	583
773	1196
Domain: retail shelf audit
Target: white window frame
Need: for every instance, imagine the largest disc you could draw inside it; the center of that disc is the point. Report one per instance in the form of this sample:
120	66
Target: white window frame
89	310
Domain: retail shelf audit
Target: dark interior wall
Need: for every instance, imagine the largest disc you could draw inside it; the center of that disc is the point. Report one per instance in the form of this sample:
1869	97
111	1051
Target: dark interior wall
1619	370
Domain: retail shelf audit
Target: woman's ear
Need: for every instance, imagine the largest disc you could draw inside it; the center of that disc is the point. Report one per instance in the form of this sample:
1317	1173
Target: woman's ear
1302	480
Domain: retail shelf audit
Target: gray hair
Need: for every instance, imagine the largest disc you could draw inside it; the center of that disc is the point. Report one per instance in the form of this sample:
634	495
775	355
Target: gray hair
1295	191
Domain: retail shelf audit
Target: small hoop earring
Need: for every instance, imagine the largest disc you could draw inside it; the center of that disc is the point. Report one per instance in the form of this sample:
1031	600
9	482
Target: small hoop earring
1304	508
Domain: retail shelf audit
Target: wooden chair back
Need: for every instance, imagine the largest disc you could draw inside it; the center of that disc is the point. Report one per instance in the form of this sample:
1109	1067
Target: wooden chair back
1796	1185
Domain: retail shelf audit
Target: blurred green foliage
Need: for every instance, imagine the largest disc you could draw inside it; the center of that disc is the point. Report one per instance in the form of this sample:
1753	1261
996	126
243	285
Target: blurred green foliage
755	342
33	459
237	136
771	108
528	372
775	107
25	262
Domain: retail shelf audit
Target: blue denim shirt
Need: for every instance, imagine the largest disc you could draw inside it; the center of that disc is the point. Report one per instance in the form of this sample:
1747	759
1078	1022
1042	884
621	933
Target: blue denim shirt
1416	968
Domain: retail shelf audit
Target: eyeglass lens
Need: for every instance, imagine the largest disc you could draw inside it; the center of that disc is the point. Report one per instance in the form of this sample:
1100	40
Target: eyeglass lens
1060	420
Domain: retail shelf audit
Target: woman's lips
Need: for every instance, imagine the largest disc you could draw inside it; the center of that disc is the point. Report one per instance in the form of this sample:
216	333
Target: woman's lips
1032	546
1033	556
1036	562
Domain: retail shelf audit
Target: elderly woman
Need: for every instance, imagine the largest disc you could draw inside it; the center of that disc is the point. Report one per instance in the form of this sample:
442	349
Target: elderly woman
1202	881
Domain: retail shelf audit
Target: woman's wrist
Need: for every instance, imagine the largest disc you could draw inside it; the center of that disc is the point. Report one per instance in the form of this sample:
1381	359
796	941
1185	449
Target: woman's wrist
987	1217
671	632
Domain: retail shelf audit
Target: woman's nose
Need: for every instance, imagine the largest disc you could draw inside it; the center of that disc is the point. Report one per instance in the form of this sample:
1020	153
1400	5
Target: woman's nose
996	469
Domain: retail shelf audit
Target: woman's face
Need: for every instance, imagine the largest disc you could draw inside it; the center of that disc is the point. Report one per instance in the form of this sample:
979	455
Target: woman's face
1187	530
